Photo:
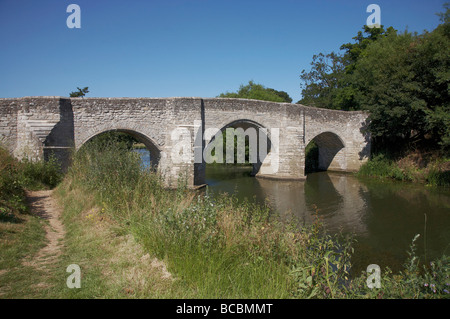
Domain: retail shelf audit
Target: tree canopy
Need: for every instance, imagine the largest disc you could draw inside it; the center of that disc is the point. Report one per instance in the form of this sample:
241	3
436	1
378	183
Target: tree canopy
402	79
80	93
254	91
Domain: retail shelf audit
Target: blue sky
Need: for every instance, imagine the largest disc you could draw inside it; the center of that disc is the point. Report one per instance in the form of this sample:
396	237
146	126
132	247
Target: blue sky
180	47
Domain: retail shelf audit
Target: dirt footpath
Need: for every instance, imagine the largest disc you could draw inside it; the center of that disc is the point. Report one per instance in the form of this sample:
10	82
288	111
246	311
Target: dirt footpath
42	204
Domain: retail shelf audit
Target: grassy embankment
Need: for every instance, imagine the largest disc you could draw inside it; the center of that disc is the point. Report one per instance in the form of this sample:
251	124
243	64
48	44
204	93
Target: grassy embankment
218	248
429	168
124	228
214	248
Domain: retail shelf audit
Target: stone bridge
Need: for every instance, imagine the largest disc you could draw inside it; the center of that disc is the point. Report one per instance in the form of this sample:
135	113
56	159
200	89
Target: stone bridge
38	126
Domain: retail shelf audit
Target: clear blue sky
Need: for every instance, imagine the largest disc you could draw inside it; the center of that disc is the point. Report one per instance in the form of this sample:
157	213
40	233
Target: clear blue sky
167	48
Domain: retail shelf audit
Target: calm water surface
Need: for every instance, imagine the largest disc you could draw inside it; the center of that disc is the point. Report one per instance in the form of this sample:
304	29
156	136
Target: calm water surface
384	215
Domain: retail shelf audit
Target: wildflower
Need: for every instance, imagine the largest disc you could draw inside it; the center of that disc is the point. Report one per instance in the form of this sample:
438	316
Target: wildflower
446	291
426	285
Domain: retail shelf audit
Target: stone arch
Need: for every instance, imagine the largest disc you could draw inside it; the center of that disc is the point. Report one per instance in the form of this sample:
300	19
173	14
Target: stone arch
261	139
154	148
331	151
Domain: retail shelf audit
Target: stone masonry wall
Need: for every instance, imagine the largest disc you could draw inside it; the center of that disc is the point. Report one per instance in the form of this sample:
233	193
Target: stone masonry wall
348	127
36	126
8	123
284	117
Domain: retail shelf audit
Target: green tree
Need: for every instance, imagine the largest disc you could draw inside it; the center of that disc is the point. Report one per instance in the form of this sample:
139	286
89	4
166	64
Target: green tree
254	91
80	93
383	78
403	80
328	83
430	58
361	41
321	84
114	137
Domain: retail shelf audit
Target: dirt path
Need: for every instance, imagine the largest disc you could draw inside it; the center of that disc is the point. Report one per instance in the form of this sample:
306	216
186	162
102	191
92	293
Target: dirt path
42	204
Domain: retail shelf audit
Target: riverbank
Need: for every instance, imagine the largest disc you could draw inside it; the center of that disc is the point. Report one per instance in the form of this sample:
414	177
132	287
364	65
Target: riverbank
134	239
427	168
214	248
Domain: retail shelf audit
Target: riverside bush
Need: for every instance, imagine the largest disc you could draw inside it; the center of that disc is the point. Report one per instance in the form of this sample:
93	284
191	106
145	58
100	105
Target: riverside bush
12	194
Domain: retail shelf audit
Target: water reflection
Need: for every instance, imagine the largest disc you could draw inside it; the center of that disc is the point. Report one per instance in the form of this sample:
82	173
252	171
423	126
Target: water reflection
385	216
337	198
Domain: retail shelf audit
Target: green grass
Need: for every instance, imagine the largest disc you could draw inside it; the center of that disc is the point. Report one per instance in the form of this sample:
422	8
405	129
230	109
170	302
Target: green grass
221	248
215	247
125	231
21	234
17	241
110	261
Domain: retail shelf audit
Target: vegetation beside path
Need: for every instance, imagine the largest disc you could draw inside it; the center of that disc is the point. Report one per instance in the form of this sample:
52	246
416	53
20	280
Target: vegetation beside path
132	238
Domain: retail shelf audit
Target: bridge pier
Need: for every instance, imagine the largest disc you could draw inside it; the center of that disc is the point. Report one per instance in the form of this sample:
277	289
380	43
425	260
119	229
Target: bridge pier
287	157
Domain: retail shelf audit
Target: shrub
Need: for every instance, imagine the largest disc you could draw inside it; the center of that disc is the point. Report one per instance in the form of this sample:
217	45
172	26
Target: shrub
40	174
12	194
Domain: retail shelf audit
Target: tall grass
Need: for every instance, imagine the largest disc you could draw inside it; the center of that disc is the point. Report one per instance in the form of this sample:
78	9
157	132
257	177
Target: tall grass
40	174
217	247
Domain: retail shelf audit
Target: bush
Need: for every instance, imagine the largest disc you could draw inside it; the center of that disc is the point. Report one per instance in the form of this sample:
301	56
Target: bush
40	174
12	194
16	176
439	178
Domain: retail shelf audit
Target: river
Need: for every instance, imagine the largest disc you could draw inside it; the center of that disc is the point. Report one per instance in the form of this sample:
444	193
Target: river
384	216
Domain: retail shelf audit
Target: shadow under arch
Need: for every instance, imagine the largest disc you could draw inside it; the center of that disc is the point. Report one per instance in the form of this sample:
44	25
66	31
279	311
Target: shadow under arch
325	152
150	145
255	136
